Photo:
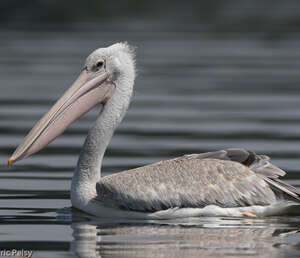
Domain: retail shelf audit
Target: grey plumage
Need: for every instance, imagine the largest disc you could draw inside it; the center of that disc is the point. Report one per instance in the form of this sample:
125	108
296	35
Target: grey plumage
227	178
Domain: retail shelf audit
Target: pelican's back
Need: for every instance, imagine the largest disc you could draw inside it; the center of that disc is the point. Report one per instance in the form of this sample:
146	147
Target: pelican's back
228	178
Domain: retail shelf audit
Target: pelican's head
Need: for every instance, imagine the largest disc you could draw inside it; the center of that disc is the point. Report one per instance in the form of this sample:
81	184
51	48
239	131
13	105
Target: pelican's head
107	72
117	60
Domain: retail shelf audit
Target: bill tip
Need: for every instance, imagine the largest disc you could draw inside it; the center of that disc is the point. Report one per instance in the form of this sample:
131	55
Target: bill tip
10	161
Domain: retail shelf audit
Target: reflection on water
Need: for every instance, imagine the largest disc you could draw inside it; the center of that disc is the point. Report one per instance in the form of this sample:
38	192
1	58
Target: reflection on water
194	93
210	237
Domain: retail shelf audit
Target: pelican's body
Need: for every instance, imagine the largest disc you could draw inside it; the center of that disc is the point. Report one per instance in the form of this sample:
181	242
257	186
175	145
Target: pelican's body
233	182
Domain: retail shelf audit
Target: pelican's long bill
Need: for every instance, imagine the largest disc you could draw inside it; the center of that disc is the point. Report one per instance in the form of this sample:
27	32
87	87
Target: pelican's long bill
87	91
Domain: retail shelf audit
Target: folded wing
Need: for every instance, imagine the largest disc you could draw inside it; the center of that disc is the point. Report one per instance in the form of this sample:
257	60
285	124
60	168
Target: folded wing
227	178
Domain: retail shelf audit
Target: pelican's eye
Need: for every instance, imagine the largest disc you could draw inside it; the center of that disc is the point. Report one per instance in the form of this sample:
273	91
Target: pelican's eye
99	65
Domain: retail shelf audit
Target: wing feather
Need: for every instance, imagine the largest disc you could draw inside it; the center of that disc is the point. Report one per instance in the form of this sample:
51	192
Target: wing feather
185	182
227	178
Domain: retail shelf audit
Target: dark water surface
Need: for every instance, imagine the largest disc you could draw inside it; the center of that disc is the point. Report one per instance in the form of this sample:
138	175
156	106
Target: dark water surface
194	93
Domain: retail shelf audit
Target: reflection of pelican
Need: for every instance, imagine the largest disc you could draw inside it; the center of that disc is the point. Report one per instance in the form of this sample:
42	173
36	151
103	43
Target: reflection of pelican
218	239
231	182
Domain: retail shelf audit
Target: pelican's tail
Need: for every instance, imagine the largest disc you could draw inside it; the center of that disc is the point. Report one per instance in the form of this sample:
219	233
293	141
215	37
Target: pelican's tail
261	165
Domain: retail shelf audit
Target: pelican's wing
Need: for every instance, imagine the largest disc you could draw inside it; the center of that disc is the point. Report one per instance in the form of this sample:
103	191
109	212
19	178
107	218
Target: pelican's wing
259	164
227	178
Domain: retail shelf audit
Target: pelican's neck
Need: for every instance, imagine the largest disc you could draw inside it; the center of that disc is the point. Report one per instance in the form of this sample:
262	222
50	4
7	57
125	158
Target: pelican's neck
88	170
91	155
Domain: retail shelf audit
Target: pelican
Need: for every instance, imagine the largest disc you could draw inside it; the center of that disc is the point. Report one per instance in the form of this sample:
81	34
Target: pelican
230	182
